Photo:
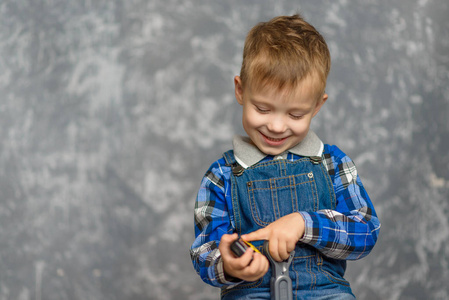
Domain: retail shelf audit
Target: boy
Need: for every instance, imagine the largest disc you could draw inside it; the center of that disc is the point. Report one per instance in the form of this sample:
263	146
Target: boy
281	183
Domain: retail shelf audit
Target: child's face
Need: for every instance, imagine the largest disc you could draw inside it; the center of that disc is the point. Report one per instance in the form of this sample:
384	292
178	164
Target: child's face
277	120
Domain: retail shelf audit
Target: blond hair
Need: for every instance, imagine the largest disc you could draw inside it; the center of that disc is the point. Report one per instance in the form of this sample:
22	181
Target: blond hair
284	51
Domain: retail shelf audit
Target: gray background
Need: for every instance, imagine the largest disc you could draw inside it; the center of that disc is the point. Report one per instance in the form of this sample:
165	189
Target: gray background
111	112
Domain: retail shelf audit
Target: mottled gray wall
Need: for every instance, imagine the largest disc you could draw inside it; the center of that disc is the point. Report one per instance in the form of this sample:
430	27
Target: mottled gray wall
111	111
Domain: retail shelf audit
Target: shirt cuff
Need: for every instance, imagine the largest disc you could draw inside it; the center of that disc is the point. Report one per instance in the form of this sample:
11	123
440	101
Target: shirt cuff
222	277
311	234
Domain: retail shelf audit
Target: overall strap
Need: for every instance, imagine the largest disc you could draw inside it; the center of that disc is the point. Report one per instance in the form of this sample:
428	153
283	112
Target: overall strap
229	157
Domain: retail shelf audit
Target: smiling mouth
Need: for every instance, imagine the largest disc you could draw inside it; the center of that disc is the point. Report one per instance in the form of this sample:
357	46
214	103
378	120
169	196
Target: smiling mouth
273	140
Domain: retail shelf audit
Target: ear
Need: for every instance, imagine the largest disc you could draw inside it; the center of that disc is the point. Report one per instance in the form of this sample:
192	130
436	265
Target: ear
238	89
320	104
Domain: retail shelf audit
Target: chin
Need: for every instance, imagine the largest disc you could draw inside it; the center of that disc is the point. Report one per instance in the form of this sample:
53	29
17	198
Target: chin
272	151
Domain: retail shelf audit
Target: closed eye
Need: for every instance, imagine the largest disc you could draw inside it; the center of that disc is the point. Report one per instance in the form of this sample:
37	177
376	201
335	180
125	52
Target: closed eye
262	109
296	117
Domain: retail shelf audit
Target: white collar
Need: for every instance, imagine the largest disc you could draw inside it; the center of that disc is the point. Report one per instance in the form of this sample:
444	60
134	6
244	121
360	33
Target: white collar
247	154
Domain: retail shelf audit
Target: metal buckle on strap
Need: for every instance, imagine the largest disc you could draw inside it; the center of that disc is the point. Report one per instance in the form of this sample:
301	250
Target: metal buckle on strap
315	159
237	169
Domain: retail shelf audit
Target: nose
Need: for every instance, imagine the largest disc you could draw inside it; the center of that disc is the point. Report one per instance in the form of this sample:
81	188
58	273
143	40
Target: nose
277	124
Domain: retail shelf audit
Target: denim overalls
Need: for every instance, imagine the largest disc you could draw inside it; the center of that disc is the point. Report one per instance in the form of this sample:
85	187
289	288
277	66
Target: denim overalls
268	190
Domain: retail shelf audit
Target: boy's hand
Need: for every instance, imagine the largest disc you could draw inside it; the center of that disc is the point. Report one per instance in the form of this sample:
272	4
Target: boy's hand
282	234
249	267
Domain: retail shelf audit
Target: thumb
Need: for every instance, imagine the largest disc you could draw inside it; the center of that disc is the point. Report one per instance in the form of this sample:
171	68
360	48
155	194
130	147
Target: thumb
261	234
225	243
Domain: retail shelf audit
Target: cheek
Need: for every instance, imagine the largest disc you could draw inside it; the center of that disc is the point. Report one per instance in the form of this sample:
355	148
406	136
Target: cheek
252	119
301	128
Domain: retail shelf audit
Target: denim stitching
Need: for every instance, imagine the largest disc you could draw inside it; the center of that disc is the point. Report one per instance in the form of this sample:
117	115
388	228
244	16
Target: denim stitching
254	204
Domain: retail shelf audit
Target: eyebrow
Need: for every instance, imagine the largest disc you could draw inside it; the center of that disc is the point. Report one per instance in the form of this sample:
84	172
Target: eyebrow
261	101
266	102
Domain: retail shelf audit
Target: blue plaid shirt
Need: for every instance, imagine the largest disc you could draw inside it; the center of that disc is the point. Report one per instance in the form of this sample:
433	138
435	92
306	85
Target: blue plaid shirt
348	232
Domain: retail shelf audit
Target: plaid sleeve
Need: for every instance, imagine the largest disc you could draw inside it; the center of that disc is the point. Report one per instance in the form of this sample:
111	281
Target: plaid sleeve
351	230
212	220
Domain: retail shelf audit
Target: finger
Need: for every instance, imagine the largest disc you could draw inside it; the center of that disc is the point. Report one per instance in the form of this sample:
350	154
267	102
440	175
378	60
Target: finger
282	250
266	263
261	234
290	247
258	267
225	243
273	247
246	259
242	262
262	264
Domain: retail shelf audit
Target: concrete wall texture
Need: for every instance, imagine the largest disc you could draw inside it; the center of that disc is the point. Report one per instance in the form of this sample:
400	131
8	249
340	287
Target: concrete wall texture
111	112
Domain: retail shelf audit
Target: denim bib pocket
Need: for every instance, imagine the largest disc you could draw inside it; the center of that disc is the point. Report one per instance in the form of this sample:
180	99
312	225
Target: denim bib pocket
271	199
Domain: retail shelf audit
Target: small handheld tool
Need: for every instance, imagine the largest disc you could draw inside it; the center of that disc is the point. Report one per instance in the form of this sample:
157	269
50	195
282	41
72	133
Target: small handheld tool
239	246
280	282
